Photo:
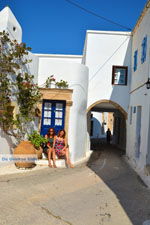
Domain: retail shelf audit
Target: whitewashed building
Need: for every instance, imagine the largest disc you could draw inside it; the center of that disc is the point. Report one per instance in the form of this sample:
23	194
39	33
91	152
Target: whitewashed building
109	77
138	125
105	52
67	106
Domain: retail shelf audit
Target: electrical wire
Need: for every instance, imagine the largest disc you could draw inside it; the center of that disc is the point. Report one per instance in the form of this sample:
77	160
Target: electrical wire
108	59
97	15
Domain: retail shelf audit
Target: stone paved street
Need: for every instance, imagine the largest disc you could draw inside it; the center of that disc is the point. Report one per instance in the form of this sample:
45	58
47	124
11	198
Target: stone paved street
106	191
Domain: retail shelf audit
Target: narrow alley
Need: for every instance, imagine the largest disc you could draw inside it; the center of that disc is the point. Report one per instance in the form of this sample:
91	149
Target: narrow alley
105	191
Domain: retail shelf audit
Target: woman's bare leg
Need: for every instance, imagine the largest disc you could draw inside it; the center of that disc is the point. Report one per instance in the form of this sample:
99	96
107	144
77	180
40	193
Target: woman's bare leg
49	156
54	159
68	158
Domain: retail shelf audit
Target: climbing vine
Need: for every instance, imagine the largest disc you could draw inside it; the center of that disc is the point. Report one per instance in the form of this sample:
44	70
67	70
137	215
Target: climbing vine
16	85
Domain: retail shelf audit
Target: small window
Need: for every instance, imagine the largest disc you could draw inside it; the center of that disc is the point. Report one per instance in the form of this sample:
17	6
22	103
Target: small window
14	28
135	60
119	75
134	109
144	49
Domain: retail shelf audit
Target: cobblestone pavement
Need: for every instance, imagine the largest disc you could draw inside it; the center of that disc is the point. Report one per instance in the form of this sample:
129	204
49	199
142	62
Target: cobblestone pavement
103	192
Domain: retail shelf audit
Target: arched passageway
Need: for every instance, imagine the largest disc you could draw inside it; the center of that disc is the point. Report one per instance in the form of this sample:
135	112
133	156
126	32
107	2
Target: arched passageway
105	114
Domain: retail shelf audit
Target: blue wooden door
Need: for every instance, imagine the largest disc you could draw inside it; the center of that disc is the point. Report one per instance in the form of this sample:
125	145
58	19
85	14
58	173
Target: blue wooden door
53	115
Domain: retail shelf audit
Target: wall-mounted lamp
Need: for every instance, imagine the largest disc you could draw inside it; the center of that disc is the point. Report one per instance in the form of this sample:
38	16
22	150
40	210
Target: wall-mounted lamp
148	83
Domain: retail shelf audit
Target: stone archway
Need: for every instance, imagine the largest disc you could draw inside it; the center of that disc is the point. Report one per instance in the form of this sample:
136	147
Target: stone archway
119	123
111	102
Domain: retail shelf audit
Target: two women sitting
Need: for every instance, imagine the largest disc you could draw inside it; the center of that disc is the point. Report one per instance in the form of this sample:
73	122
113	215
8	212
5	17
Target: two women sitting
57	145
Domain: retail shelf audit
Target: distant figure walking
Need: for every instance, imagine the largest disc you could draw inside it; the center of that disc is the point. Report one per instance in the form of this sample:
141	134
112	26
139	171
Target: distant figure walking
108	136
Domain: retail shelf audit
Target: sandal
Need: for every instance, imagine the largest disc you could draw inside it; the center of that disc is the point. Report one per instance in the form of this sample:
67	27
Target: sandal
70	165
54	166
50	165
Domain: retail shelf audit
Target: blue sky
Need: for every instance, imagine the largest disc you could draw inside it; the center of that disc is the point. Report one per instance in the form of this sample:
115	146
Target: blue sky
57	27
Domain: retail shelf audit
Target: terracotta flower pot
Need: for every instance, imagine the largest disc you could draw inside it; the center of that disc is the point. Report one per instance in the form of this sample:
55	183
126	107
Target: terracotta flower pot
25	148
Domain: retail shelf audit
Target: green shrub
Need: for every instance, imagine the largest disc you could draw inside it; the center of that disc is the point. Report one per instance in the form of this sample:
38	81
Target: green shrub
36	139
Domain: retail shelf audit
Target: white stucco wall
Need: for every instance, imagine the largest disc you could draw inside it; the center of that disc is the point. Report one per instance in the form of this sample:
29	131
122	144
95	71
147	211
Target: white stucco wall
97	124
140	96
8	22
7	142
65	67
33	66
102	51
63	58
140	76
77	77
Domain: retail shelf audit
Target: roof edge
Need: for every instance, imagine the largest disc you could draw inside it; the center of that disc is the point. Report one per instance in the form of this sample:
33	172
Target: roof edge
126	33
58	55
140	18
8	11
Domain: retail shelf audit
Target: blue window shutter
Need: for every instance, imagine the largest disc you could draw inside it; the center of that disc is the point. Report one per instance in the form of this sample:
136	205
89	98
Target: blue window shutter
135	60
142	53
144	50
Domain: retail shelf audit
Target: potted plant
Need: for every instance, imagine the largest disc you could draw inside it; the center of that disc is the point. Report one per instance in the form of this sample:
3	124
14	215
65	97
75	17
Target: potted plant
62	84
50	82
37	140
24	149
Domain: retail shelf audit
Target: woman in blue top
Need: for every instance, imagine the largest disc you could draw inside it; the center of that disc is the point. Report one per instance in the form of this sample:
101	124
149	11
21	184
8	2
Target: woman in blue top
50	136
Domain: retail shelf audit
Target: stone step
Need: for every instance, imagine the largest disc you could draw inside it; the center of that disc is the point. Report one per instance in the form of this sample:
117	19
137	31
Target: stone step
60	163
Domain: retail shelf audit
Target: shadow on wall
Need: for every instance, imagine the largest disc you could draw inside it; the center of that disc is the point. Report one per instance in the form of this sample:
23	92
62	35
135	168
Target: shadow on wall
96	128
7	142
97	144
94	131
117	93
133	195
123	90
119	137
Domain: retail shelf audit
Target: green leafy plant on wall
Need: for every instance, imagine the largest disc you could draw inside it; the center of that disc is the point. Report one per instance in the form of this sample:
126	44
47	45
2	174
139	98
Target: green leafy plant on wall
62	84
16	85
59	84
36	139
